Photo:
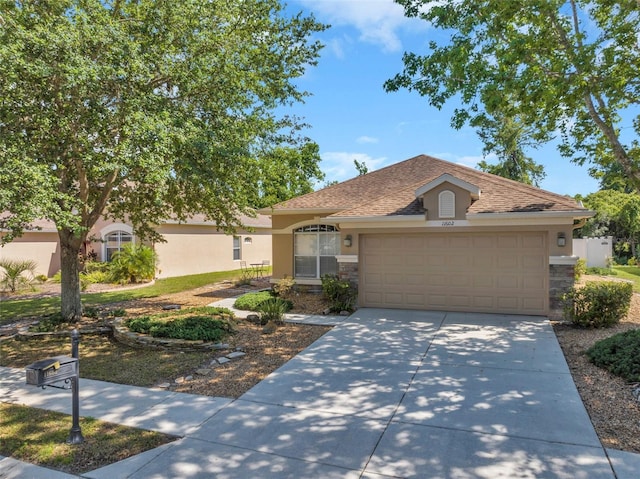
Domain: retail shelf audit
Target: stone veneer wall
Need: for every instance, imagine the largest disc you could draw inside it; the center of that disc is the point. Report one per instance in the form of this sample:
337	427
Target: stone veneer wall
561	280
348	271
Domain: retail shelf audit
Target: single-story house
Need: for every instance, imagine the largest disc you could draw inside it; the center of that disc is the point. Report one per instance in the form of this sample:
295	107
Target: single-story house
429	234
192	247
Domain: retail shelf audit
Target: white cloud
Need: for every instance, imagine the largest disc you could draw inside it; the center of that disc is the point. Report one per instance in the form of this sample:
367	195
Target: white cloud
377	21
339	166
366	139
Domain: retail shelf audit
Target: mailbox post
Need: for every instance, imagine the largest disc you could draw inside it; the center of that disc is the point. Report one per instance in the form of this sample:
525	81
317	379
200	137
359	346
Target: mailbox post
75	435
48	371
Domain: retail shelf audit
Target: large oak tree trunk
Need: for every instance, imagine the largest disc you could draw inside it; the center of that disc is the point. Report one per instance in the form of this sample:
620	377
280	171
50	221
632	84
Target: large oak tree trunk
71	304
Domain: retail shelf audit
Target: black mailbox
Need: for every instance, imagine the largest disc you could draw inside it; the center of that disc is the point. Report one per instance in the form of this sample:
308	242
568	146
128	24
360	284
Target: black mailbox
51	370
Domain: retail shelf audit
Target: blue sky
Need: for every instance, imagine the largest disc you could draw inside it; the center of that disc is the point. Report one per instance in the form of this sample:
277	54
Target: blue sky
352	117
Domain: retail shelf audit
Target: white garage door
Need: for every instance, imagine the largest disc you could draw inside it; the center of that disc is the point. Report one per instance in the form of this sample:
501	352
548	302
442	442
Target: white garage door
482	272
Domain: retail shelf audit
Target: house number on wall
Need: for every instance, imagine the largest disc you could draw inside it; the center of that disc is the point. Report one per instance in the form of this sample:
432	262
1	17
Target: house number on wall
448	223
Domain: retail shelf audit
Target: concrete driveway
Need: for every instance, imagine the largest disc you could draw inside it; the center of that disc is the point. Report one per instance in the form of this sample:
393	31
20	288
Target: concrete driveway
385	394
391	393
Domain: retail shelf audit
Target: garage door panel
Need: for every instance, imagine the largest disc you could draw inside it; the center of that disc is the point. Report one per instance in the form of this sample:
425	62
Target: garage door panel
435	261
507	303
484	272
414	300
534	262
483	303
508	241
461	301
393	299
533	241
533	282
459	280
482	261
460	261
373	279
484	242
508	262
460	242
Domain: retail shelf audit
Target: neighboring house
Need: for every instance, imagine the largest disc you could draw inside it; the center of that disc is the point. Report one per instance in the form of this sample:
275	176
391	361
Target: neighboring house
429	234
196	246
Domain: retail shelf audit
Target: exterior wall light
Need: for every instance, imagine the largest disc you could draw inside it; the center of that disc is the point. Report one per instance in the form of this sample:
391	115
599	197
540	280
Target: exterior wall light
562	241
347	241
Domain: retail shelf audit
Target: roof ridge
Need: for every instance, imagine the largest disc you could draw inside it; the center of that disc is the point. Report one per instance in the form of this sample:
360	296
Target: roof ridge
497	179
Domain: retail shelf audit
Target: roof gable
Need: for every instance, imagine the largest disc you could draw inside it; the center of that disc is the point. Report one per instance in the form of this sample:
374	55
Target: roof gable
473	190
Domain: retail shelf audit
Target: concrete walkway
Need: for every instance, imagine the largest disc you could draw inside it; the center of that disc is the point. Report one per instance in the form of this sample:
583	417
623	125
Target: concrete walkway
385	394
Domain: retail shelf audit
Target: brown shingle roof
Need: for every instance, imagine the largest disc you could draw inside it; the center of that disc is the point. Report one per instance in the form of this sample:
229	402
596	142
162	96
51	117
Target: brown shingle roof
390	191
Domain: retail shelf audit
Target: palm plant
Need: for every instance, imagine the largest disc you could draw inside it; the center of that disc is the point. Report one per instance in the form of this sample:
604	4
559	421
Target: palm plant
17	273
133	263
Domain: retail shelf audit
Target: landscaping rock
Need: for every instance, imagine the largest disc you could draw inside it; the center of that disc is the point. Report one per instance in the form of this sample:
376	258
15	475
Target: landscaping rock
253	319
164	385
345	313
203	371
235	354
169	307
269	328
180	380
223	360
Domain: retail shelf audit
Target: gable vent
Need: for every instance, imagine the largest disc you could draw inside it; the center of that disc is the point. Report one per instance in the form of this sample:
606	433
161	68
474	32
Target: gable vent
447	204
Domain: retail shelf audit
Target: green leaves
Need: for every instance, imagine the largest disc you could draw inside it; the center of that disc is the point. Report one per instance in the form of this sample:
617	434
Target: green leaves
567	68
148	109
143	111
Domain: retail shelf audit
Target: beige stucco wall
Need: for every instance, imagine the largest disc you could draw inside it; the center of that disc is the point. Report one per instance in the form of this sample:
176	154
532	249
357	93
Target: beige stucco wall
202	249
42	247
431	201
283	240
189	249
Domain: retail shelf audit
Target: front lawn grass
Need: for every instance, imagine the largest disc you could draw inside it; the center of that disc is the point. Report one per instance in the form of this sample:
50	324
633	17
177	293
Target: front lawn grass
12	310
106	360
39	437
630	273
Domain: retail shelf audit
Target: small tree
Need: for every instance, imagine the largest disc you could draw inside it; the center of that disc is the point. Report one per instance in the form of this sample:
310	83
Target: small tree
17	273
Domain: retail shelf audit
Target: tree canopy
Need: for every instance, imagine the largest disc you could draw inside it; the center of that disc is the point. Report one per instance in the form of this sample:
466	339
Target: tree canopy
287	172
508	138
142	110
567	67
618	215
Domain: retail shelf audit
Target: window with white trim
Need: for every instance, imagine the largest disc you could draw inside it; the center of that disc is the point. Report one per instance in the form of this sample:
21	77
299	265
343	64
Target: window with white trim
114	242
315	249
447	204
237	251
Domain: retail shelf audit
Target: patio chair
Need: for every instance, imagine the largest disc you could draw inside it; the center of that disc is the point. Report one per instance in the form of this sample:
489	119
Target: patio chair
264	267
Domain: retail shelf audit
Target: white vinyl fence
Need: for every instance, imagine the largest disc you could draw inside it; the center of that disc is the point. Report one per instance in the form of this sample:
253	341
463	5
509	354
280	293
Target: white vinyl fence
596	251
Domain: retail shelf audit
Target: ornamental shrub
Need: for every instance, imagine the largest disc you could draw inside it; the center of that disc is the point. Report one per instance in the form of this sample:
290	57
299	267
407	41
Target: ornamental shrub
619	354
273	309
285	288
205	324
580	268
342	294
598	303
133	263
252	301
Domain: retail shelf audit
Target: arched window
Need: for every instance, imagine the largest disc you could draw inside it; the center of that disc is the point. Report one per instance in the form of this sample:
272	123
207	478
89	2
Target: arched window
447	204
315	250
115	241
